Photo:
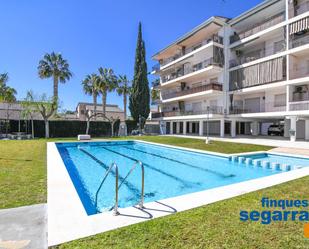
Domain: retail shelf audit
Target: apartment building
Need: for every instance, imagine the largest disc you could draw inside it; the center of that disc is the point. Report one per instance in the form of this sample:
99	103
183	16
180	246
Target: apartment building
231	77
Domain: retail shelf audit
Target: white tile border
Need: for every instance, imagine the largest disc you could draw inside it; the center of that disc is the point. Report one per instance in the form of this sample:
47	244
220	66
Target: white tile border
67	218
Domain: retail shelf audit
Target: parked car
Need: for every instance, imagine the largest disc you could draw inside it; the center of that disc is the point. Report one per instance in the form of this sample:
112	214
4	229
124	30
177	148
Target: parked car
275	130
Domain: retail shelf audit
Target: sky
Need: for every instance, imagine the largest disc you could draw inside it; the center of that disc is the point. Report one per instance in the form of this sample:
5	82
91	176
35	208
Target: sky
92	34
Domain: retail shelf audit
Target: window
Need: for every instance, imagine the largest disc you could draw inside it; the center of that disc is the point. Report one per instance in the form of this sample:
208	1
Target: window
197	106
280	100
213	102
279	46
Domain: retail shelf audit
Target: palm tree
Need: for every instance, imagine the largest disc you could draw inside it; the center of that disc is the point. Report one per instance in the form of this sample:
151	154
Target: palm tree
53	65
7	95
155	96
107	82
4	78
123	89
90	87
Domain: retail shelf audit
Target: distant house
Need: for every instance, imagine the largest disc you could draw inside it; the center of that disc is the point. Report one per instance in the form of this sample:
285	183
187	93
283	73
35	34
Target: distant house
111	111
13	111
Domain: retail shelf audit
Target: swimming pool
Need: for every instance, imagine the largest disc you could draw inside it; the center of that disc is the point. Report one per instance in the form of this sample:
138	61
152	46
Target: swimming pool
169	172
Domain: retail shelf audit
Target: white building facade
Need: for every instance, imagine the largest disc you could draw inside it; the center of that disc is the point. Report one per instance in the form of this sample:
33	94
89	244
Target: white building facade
232	77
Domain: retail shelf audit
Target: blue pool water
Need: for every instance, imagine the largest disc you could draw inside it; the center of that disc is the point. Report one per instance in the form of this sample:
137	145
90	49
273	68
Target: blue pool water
169	172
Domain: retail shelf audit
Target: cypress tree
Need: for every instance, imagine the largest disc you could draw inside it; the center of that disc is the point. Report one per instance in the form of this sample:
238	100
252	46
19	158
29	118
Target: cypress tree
139	103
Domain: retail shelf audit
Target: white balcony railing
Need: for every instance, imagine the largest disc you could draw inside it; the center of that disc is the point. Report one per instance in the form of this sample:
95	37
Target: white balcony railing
245	57
214	38
211	110
263	107
254	29
211	86
299	106
190	69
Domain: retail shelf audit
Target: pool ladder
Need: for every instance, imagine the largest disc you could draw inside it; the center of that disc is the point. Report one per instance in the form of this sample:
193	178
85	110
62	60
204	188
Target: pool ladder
114	165
109	170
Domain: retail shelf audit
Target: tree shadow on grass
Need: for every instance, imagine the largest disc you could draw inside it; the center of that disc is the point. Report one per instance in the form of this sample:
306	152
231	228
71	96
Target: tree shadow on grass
16	159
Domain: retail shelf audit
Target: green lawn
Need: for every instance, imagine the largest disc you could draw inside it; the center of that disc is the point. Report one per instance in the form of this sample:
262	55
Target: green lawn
22	173
215	146
213	226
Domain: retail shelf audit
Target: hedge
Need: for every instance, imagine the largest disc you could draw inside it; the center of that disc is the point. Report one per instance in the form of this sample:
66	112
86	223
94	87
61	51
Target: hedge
64	128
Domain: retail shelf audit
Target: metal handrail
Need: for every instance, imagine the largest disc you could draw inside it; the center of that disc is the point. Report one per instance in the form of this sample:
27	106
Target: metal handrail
141	203
116	187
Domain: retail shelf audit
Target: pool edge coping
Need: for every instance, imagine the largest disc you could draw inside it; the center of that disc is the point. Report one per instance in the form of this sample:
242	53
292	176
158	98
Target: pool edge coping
68	220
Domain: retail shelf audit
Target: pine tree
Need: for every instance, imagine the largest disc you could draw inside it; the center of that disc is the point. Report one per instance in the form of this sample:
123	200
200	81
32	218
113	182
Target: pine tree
139	103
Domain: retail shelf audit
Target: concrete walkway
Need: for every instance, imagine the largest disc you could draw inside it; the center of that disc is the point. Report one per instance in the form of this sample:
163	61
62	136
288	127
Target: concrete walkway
302	152
24	227
260	140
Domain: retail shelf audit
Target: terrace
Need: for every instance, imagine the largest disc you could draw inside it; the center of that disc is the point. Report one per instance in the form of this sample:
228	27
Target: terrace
212	110
259	74
246	55
265	107
188	69
257	27
214	38
299	8
199	89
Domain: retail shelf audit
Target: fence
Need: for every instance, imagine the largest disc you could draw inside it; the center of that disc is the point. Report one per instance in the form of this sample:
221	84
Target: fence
61	128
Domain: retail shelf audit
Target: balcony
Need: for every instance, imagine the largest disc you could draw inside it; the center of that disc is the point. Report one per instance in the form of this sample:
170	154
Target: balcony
299	106
211	86
300	95
300	99
157	115
298	41
272	21
298	9
245	57
299	71
191	69
263	73
156	68
212	110
214	38
155	83
266	107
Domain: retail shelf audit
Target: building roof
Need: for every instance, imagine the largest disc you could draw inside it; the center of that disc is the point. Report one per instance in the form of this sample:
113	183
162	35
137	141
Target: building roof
109	107
251	11
214	19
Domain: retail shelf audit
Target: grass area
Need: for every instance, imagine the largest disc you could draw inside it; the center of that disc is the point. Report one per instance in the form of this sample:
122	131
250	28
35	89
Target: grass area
213	226
215	146
22	173
23	165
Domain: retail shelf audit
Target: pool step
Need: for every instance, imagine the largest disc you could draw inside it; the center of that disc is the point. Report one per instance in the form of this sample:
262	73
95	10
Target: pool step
257	163
241	160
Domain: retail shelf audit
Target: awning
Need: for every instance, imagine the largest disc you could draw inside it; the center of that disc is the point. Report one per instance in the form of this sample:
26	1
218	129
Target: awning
299	26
